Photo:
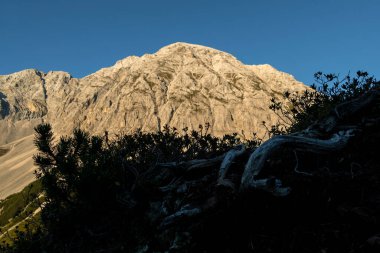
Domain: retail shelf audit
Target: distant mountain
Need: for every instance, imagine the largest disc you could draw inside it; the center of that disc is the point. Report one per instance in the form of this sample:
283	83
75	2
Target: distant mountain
181	85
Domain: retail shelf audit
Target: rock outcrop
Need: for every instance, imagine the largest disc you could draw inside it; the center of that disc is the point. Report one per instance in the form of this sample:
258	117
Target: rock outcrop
181	85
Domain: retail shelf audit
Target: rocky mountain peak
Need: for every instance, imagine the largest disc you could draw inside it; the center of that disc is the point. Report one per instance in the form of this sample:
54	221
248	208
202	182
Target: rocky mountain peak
175	55
182	48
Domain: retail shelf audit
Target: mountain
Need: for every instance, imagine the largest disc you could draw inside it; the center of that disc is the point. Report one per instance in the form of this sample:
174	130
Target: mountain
181	85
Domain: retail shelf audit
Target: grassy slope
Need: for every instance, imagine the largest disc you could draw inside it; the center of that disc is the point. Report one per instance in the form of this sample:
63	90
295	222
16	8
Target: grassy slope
18	206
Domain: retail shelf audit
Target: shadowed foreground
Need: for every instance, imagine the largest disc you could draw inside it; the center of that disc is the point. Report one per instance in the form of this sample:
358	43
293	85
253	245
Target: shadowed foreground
315	190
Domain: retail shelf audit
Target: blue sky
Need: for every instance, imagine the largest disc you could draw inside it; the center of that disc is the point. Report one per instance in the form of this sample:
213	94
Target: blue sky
299	37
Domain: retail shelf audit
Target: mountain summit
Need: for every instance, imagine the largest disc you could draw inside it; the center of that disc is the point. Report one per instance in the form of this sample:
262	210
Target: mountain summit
181	85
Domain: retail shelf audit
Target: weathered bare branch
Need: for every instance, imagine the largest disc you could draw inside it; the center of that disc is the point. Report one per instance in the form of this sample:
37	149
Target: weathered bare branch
256	161
192	164
297	164
226	164
187	211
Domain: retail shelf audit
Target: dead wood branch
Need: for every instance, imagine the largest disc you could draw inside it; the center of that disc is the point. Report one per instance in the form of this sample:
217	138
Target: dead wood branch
256	161
297	165
192	164
187	211
226	164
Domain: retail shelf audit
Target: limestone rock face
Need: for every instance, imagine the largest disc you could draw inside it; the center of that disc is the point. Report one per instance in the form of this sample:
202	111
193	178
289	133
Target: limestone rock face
181	85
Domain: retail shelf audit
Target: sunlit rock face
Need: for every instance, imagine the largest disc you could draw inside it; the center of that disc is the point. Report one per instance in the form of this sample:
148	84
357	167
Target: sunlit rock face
181	85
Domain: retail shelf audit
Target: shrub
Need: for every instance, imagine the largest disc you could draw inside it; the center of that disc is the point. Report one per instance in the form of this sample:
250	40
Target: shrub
301	110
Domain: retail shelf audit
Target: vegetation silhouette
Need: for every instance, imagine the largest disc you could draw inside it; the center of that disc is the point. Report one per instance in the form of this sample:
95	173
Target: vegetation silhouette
299	111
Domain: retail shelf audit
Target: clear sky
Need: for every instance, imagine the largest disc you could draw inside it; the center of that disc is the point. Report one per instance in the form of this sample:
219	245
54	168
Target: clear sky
296	36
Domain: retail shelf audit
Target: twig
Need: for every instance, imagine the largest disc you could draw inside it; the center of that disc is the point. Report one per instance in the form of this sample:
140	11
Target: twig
296	167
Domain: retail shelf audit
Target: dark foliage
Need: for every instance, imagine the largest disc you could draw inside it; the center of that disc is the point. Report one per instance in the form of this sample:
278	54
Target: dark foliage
97	190
301	110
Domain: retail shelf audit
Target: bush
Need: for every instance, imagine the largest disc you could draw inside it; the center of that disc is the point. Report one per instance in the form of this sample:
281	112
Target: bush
97	189
301	110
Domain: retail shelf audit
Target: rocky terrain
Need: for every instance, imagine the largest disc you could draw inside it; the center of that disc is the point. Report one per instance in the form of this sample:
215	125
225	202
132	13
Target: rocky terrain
181	85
